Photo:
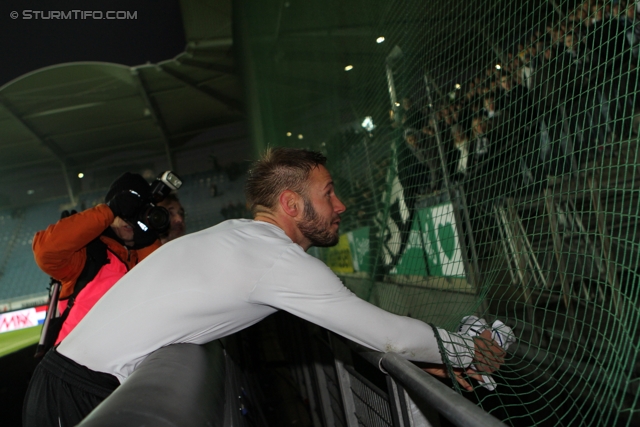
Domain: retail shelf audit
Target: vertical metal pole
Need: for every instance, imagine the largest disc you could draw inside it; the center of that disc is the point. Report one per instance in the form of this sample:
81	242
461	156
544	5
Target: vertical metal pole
477	276
242	47
323	390
557	249
515	239
531	258
323	395
567	131
393	96
595	253
305	365
471	272
395	403
347	395
443	162
503	240
606	246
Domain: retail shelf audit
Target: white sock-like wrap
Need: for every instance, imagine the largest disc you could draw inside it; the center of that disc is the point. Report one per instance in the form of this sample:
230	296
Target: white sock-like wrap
500	333
456	348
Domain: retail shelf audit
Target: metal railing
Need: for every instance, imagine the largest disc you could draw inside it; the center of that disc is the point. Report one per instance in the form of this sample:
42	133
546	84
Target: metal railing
450	404
190	385
181	384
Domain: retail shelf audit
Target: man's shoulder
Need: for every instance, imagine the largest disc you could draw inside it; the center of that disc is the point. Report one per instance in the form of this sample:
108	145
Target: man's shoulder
247	230
249	225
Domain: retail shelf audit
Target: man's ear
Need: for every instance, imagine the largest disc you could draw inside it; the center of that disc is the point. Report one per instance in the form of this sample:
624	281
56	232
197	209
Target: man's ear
290	202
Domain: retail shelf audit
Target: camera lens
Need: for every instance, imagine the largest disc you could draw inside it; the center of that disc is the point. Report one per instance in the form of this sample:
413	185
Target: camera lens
157	218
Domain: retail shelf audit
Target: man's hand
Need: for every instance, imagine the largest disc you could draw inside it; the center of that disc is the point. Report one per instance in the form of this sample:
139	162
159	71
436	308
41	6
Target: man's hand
489	356
440	371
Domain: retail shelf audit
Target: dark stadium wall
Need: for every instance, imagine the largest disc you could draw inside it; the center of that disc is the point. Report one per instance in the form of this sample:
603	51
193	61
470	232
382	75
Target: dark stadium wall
15	373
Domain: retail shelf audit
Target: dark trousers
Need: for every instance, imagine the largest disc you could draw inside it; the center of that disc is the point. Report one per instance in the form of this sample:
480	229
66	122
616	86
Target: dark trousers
61	392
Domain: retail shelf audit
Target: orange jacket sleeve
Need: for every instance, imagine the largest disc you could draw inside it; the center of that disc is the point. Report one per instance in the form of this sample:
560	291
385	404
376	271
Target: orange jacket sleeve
60	249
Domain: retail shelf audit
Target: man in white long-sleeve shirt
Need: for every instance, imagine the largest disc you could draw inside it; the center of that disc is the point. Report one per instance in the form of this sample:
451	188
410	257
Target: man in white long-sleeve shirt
230	277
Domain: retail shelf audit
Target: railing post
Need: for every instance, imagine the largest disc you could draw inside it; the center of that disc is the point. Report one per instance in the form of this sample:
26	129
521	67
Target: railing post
460	411
606	245
557	246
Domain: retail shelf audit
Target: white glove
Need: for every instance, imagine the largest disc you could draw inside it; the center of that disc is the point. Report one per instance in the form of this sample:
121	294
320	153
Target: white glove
500	333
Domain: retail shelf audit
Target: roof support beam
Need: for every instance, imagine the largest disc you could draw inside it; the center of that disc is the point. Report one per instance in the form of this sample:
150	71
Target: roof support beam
17	166
50	145
55	150
100	129
233	104
357	31
154	109
114	147
210	44
188	59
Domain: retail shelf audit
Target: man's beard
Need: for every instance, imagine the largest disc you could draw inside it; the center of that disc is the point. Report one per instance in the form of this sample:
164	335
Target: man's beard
313	228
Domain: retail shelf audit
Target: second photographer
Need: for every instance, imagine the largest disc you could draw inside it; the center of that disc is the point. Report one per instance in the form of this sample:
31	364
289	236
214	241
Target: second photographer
88	252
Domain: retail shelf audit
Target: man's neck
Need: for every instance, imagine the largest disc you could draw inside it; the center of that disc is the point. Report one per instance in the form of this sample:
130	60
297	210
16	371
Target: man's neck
287	225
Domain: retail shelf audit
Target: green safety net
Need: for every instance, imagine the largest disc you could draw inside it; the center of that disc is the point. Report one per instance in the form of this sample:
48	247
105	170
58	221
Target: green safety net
487	155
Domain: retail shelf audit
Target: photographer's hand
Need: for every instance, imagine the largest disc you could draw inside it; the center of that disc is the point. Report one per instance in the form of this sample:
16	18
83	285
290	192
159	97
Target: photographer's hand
126	205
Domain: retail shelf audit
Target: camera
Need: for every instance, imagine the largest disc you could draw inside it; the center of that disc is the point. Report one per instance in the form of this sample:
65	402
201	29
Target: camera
157	218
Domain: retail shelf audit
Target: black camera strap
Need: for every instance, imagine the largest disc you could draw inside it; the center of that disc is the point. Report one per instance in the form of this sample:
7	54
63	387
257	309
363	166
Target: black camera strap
96	259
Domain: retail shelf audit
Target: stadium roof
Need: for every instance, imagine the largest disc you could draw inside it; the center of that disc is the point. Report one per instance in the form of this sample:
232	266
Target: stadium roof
64	119
69	118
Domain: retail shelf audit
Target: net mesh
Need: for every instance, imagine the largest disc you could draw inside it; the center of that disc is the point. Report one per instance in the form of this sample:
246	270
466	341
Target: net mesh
487	155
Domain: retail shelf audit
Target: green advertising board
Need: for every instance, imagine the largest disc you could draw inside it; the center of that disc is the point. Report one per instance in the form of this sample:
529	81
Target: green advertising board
412	261
432	249
442	244
360	249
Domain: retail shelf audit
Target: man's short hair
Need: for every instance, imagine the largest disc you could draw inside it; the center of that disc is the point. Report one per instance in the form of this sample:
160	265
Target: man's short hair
278	170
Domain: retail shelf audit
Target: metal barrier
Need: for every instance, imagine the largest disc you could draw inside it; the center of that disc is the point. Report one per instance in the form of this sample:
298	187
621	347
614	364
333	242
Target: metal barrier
182	384
454	407
406	397
185	384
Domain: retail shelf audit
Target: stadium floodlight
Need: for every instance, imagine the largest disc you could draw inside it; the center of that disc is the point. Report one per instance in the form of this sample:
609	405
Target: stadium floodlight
300	136
80	175
348	68
379	39
367	124
288	133
498	67
458	87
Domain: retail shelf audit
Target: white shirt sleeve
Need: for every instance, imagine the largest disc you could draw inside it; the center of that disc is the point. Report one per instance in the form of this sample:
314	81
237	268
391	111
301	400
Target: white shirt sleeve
307	288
